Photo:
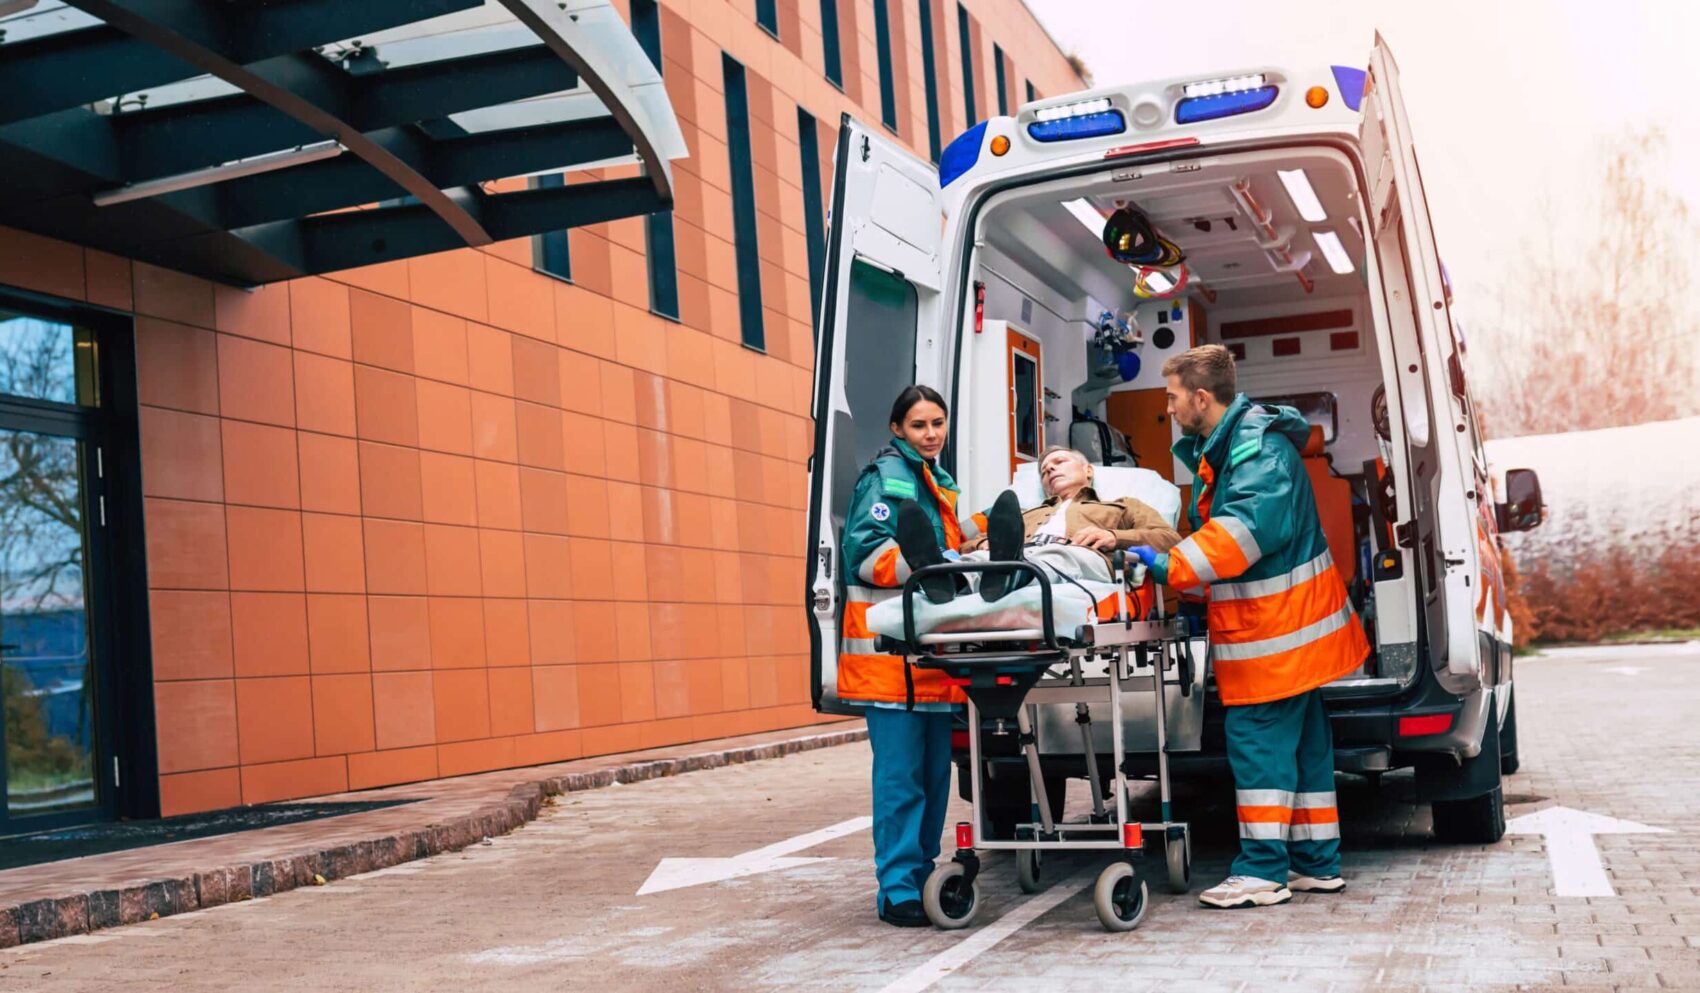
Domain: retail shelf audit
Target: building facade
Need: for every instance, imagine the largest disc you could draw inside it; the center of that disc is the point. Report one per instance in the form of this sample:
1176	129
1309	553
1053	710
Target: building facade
465	511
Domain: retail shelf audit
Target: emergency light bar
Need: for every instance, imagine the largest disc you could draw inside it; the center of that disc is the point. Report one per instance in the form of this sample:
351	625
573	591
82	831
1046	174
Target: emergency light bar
1230	84
1194	110
1082	119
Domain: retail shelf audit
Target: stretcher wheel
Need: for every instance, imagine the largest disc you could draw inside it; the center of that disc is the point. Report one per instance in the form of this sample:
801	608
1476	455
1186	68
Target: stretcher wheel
948	902
1179	852
1027	870
1119	897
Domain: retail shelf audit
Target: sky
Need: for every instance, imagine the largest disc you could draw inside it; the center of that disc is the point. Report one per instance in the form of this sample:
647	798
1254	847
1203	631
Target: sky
1512	102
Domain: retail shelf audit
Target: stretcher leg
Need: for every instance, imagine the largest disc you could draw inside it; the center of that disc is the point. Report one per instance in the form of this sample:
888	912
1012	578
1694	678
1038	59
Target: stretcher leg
1030	748
1083	718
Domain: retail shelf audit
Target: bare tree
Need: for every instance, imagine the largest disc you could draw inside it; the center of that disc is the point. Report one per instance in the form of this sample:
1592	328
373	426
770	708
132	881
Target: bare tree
1602	330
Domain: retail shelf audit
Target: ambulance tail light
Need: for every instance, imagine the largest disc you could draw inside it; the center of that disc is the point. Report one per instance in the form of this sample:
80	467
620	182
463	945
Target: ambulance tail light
1416	727
1210	99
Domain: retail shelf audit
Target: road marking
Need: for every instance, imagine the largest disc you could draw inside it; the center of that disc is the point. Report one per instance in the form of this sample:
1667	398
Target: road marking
1575	858
673	874
963	952
1628	670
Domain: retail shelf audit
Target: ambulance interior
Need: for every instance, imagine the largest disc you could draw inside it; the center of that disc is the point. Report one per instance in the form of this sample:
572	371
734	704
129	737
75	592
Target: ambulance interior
1274	270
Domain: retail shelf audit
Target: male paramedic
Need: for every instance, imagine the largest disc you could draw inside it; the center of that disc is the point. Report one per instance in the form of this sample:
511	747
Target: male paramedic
1280	625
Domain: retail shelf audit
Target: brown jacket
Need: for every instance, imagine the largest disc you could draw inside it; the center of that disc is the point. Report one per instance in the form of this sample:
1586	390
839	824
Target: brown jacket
1131	521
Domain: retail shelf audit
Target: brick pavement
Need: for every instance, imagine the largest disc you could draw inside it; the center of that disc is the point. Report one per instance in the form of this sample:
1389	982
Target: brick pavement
553	906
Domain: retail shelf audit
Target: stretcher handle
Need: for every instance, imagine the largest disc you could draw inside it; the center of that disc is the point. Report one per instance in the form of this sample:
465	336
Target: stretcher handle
913	646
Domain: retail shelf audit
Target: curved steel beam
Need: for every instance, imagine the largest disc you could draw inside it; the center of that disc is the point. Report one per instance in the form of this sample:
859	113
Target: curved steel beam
304	91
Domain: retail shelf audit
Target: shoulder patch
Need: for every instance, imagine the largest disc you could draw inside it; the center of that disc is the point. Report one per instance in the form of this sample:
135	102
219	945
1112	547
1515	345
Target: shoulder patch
900	488
880	511
1244	450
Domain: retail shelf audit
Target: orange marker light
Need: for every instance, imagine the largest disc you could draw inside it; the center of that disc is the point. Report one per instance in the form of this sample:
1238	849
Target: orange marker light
1316	96
1000	144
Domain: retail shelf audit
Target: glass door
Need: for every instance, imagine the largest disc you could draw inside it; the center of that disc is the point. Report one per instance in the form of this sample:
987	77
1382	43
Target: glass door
51	509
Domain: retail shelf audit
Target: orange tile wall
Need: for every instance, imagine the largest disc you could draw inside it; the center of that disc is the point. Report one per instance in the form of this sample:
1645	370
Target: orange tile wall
449	515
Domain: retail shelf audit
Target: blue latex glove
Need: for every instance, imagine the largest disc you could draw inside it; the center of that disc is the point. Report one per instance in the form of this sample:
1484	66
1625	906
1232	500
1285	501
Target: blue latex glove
952	555
1145	554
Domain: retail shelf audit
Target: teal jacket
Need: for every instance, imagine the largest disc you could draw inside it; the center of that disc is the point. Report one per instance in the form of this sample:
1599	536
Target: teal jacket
1280	620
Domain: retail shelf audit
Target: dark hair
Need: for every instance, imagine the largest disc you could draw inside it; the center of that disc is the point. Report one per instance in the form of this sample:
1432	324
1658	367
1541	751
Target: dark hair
913	395
1207	367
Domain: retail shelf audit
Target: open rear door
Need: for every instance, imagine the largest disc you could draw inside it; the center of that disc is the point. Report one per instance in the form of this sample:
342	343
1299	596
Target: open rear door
1442	527
884	256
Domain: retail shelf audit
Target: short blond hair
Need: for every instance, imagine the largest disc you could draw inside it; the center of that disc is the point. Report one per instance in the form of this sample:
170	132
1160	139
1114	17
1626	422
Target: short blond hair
1054	449
1207	367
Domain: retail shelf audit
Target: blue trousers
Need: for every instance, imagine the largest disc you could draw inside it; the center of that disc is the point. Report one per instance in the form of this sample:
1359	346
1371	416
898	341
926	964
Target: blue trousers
911	790
1282	755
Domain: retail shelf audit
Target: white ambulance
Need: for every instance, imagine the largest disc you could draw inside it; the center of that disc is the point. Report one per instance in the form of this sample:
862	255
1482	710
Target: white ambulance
1298	204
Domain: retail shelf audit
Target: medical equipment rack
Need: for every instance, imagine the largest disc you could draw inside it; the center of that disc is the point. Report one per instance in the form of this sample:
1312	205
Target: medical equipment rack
1005	674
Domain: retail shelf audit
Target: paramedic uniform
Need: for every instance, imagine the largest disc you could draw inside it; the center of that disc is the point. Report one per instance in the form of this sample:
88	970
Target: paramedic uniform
908	710
1281	626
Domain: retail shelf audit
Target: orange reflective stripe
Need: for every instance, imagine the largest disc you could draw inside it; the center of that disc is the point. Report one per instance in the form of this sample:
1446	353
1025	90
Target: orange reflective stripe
1289	673
1314	815
1256	618
885	568
856	620
1221	549
1181	574
880	677
1267	815
947	510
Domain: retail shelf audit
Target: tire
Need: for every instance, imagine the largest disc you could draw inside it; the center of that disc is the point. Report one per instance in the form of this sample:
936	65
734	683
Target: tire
1179	852
1120	897
1479	820
1508	760
949	904
1029	873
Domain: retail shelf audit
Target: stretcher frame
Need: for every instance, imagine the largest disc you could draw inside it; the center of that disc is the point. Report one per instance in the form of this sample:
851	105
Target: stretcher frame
1020	663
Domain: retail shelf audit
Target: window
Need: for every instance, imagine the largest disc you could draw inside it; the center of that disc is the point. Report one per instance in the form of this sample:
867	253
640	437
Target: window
658	227
967	33
882	41
549	250
998	60
930	74
829	42
1032	94
767	15
814	227
743	203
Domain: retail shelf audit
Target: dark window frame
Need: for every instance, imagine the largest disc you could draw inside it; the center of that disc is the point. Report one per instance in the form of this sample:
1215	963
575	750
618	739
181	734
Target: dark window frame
888	85
930	79
551	251
767	16
814	223
998	60
832	59
660	252
1032	94
744	226
966	31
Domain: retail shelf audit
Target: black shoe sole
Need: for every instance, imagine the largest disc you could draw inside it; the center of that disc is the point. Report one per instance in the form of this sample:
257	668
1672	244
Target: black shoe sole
1004	531
920	547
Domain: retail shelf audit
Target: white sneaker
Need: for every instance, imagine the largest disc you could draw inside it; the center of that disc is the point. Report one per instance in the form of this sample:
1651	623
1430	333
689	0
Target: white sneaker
1314	884
1245	891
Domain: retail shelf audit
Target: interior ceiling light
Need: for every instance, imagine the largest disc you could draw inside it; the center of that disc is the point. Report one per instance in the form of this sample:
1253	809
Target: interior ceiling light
1089	216
1304	198
1333	251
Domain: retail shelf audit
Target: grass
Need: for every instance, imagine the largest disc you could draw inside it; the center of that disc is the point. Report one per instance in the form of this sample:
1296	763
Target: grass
1655	634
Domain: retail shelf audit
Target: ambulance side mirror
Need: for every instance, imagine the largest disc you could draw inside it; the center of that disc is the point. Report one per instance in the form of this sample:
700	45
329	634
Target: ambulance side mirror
1522	509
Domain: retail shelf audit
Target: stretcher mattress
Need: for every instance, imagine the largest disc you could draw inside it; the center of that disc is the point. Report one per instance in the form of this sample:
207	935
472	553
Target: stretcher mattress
1071	607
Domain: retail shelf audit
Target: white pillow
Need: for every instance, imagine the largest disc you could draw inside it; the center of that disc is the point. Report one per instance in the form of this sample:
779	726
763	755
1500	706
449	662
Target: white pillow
1111	483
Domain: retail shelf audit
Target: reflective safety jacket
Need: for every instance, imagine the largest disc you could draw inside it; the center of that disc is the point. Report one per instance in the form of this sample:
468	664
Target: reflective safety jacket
1280	621
874	570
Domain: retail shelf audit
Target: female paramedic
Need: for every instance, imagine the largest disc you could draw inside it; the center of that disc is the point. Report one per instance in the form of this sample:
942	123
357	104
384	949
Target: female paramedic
908	709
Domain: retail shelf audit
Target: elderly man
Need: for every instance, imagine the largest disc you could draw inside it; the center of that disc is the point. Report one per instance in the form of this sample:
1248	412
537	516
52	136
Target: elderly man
1072	533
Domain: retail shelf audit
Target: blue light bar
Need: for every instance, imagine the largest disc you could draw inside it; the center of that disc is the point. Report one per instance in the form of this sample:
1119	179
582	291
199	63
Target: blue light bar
1085	126
960	155
1351	84
1192	110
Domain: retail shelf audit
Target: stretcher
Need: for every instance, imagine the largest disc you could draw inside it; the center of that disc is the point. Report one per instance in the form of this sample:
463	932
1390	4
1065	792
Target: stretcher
1006	673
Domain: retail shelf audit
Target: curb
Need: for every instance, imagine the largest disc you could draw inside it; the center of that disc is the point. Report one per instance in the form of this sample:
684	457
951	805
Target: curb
58	917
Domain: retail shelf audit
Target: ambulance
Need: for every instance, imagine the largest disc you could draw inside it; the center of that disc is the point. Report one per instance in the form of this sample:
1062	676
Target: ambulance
1296	203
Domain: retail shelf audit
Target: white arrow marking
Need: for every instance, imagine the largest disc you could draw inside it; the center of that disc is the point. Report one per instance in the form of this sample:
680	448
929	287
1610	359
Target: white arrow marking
1576	866
1627	670
673	874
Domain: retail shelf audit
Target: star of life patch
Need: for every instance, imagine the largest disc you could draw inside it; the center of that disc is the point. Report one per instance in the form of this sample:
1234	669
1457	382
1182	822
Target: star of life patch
880	511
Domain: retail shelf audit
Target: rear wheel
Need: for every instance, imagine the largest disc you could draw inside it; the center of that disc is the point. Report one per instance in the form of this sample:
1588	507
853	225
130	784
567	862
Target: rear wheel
1119	897
1478	820
949	902
1029	869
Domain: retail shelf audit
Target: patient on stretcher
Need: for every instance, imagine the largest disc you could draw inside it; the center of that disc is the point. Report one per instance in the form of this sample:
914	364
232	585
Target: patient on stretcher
1071	535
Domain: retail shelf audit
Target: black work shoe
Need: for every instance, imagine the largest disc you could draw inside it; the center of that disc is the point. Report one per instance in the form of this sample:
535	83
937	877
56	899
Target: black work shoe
1004	533
920	548
905	914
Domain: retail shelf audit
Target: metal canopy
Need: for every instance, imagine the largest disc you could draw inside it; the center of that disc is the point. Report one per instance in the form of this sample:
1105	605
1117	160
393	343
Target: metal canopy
251	141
